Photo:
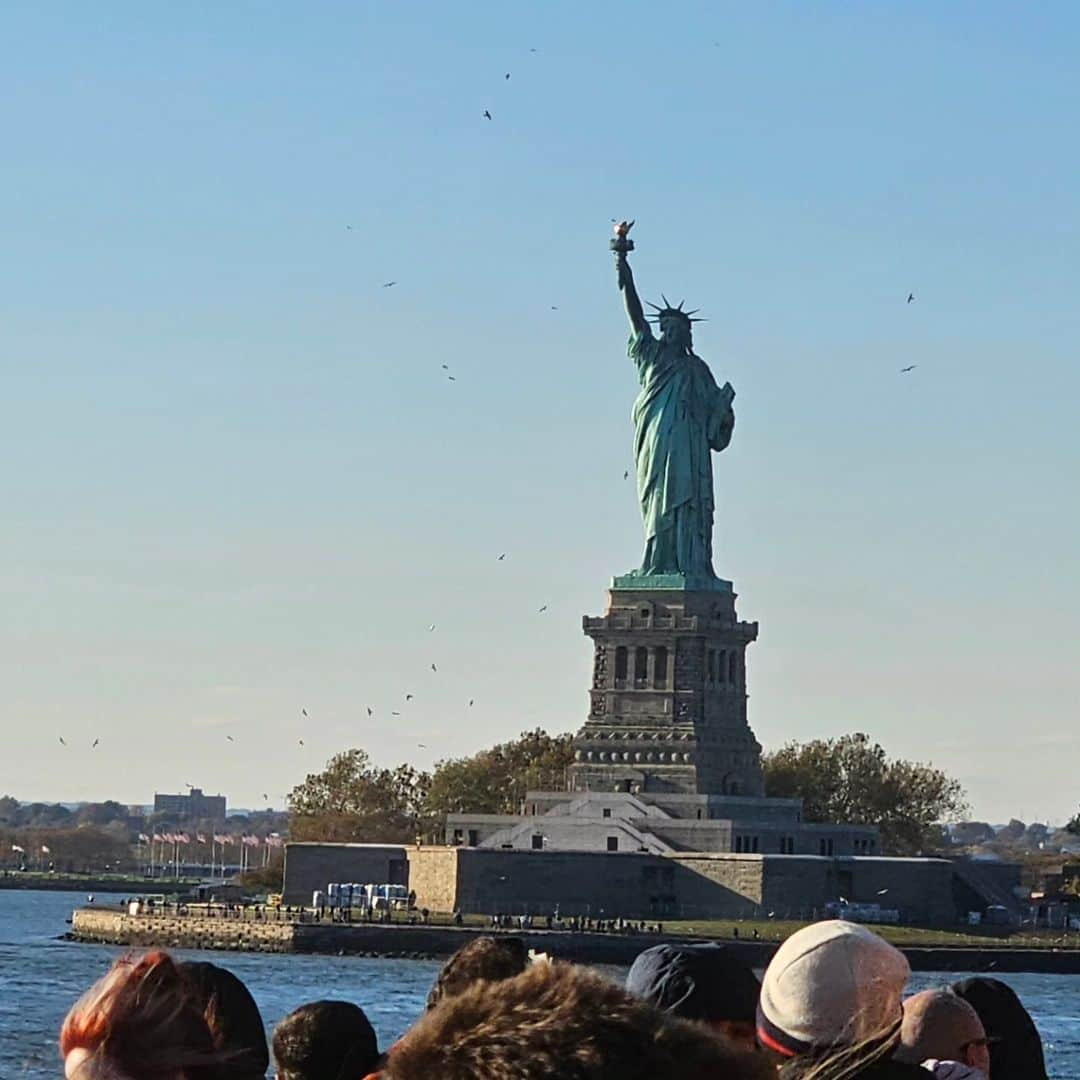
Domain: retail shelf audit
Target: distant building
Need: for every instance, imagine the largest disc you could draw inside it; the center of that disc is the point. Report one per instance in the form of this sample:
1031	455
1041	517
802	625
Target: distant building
192	805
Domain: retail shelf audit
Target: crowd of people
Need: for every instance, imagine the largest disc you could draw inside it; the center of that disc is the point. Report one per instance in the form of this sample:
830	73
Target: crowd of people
829	1007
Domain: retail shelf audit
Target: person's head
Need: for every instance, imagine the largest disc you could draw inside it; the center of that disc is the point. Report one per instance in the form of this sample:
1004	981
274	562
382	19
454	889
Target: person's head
938	1024
831	986
140	1021
325	1040
484	958
234	1019
706	982
1016	1051
560	1022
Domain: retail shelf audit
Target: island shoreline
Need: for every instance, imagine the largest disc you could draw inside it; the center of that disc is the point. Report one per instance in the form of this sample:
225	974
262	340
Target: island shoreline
111	927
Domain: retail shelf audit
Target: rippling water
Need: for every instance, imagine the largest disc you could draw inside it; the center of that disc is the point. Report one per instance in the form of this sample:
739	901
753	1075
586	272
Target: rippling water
40	977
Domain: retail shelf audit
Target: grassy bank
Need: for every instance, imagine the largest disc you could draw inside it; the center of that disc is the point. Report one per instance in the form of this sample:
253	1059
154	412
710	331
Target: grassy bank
774	930
771	931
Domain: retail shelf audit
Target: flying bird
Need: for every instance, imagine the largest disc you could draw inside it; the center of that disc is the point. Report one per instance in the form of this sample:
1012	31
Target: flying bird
431	627
389	284
62	742
542	610
910	297
230	738
446	367
451	378
554	308
266	798
408	697
626	475
304	711
93	745
471	700
423	746
910	367
508	74
370	711
487	114
392	713
882	892
434	668
301	741
501	557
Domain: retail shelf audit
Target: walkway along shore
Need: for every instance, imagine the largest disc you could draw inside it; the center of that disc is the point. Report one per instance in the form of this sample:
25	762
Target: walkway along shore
113	927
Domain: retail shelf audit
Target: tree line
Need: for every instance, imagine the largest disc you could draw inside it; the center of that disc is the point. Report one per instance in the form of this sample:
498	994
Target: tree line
849	779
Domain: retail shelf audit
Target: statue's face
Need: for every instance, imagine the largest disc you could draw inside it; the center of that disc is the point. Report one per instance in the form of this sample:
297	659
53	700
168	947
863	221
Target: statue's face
677	331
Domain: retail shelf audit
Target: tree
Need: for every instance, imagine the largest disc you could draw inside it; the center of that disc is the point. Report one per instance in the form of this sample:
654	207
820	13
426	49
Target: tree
1012	833
973	832
352	800
495	781
851	779
101	813
9	810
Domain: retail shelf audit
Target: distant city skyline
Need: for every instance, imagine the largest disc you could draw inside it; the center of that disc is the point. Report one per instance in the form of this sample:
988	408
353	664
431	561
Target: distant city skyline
242	487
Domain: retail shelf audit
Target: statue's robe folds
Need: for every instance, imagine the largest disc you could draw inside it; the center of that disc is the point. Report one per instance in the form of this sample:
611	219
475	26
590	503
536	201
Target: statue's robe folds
680	415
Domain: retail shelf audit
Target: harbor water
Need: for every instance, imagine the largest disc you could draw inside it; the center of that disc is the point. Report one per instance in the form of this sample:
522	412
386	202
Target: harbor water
41	976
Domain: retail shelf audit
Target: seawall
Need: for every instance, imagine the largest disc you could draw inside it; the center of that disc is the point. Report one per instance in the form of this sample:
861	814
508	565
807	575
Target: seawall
371	939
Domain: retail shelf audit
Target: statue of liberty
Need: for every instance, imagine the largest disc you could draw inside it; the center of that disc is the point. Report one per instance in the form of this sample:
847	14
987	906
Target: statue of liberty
680	416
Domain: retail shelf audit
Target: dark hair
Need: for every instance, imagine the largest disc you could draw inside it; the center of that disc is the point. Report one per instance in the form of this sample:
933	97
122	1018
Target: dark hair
1016	1051
325	1040
233	1017
484	958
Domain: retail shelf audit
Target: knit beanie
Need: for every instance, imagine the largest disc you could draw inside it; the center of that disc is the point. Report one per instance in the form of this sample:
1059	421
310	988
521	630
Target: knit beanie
831	984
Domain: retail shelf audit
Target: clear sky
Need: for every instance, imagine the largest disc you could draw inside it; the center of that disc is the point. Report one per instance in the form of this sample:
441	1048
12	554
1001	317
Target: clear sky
238	483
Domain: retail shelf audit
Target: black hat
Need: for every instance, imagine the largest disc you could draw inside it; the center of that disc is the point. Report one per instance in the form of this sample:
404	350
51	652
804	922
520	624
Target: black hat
697	982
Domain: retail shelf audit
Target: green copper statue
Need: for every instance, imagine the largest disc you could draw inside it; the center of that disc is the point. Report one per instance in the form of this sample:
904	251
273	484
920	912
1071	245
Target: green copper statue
680	415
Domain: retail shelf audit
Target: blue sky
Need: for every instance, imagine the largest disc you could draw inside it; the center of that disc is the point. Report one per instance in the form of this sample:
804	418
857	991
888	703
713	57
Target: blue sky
238	482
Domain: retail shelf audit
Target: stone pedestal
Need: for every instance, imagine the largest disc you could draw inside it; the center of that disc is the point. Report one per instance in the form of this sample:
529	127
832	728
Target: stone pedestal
668	697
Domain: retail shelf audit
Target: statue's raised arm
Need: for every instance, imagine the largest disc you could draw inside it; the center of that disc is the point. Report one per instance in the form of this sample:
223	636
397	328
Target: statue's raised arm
622	245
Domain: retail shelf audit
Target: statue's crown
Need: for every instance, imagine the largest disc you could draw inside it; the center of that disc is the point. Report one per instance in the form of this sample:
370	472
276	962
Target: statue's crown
667	311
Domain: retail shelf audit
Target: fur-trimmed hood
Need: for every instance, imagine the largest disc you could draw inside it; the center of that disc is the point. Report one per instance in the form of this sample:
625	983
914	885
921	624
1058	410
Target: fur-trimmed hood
561	1022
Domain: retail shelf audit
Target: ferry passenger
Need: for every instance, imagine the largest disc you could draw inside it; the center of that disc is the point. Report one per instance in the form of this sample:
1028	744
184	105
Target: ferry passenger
1016	1051
234	1019
140	1021
484	958
325	1040
705	982
940	1025
556	1020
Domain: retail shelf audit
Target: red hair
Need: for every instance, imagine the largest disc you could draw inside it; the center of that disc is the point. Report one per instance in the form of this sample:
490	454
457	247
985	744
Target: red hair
142	1020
